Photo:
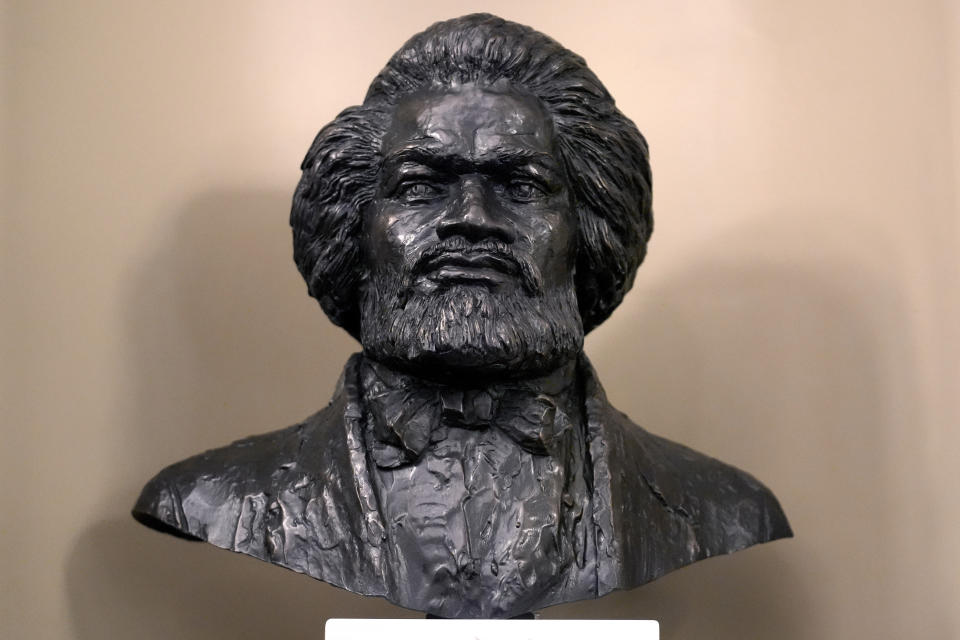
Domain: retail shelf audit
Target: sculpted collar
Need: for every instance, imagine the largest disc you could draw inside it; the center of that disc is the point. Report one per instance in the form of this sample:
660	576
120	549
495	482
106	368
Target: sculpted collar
409	413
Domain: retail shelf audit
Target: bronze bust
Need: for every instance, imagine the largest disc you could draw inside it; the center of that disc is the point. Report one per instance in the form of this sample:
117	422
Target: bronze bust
484	208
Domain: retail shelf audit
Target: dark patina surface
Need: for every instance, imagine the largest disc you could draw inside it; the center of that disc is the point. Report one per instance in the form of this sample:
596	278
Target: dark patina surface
483	209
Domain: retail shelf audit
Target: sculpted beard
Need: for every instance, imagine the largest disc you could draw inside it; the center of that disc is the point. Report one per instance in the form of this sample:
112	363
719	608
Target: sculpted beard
523	331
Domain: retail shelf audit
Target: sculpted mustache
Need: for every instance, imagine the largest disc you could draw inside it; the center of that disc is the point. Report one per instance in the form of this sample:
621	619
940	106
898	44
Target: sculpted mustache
530	277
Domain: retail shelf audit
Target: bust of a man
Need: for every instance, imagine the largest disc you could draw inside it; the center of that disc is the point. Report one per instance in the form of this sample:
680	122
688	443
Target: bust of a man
484	208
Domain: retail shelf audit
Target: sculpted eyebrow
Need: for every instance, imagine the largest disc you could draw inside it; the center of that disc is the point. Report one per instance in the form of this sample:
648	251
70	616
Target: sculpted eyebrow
498	160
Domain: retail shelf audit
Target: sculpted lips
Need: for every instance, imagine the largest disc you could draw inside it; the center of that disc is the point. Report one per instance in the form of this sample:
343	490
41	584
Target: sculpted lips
464	266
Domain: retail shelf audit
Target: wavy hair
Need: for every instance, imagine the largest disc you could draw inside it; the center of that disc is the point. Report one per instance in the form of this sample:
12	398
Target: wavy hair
604	156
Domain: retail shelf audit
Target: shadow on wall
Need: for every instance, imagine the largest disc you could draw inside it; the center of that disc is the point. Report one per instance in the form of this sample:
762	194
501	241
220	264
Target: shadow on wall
797	368
224	342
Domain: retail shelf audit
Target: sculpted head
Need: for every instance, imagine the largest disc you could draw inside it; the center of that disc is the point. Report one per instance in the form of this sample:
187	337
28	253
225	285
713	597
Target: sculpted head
483	209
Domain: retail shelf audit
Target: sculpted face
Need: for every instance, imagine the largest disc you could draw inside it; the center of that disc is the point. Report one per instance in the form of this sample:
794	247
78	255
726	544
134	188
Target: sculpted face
470	244
477	165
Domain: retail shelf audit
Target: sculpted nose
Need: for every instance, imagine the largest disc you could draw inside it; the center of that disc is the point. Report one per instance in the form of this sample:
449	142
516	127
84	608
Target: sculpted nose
475	216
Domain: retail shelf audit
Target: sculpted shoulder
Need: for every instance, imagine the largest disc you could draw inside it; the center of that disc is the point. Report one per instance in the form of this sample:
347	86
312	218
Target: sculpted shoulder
290	497
730	508
672	506
207	496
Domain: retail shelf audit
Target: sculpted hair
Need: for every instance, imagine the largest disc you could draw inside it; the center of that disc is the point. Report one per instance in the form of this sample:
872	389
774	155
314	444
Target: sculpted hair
604	156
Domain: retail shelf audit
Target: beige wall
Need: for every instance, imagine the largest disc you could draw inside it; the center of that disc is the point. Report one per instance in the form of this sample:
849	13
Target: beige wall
798	315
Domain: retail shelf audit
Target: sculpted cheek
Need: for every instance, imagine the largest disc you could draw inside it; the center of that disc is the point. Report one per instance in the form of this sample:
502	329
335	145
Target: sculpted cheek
393	229
396	231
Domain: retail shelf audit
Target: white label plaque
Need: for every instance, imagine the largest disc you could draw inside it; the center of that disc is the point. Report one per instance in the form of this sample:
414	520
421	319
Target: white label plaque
367	629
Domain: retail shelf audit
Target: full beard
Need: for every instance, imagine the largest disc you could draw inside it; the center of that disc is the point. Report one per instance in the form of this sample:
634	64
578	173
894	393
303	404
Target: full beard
468	331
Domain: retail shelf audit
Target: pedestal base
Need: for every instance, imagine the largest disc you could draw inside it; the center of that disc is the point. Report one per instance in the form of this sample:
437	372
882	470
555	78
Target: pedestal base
527	629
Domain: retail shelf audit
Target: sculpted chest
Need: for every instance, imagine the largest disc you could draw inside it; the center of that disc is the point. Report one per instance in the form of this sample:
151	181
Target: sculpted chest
307	498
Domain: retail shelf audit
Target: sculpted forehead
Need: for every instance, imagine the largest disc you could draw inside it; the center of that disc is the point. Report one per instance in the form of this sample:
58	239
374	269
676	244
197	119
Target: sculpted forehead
470	120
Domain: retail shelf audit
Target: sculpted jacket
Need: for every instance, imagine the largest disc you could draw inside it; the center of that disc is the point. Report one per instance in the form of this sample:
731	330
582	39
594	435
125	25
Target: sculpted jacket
304	498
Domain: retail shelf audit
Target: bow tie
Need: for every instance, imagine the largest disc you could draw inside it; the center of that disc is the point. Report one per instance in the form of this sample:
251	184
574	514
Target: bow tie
409	413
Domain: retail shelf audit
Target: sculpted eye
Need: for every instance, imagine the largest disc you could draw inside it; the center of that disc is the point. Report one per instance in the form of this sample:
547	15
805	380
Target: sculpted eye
419	191
524	190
